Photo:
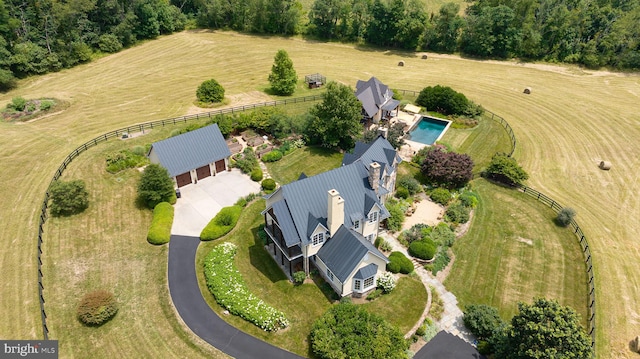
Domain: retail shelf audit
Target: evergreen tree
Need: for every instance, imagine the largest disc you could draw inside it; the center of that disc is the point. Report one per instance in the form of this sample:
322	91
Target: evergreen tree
283	77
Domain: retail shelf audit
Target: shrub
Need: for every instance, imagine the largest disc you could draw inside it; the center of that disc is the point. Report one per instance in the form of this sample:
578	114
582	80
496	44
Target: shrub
247	161
399	263
415	233
447	101
256	174
443	235
565	216
272	156
68	198
374	294
268	184
441	195
411	184
45	105
457	213
422	330
222	223
155	186
299	277
109	43
210	91
230	291
387	282
448	169
430	330
31	106
160	229
468	199
402	192
17	103
241	202
124	159
441	261
424	249
350	331
396	217
385	246
378	241
96	308
7	80
485	347
505	169
482	320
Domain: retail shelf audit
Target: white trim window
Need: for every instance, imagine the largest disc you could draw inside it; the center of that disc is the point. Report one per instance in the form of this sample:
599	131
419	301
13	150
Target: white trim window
318	238
329	274
357	285
356	225
363	285
373	217
369	283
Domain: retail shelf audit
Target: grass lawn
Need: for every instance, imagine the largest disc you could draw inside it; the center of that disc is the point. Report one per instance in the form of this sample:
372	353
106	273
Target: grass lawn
514	252
310	160
404	305
563	132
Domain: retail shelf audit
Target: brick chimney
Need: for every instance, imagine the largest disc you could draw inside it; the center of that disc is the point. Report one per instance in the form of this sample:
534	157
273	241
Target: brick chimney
335	209
374	176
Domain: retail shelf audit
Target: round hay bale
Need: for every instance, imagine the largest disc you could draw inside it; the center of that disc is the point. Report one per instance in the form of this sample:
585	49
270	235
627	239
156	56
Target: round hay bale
635	344
424	57
527	90
401	63
605	165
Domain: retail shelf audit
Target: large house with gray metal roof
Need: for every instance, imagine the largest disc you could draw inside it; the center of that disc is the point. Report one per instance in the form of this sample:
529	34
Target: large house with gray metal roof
331	220
192	156
377	100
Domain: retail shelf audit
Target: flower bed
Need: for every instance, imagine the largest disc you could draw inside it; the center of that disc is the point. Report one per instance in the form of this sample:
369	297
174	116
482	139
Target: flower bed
227	286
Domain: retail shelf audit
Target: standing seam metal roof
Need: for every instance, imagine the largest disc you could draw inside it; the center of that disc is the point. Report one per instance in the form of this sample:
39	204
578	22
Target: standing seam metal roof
191	150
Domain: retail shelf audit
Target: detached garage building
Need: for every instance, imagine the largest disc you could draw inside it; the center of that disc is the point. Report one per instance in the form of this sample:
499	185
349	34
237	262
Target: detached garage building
192	156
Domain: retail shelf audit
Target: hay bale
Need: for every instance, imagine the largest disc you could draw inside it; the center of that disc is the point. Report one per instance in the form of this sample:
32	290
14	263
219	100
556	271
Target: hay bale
424	57
635	344
401	63
527	90
605	165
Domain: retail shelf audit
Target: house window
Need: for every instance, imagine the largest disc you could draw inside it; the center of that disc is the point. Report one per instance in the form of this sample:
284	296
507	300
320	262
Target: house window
357	284
356	225
329	274
318	239
368	283
373	217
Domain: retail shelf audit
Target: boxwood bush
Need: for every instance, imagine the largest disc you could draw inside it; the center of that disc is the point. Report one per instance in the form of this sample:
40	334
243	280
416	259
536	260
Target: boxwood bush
399	263
268	184
160	229
441	195
230	291
272	156
424	249
256	174
222	223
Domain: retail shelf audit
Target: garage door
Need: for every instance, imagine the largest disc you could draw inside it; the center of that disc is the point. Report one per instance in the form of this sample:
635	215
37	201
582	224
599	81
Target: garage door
220	167
183	179
203	172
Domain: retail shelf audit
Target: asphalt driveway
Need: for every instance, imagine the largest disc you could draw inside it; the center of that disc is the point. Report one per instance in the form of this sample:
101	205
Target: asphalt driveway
200	202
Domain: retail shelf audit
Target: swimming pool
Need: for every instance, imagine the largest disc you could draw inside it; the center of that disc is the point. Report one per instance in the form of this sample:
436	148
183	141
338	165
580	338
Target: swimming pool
428	130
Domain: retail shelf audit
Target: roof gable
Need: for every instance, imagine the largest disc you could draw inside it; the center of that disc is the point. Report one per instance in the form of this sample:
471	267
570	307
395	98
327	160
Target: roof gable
191	150
374	95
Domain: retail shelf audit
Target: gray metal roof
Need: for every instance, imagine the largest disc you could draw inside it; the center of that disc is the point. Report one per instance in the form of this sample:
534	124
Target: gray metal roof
391	105
191	150
379	150
344	251
373	95
366	272
283	216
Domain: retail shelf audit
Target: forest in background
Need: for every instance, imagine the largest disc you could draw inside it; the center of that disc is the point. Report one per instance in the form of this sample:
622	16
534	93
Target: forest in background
39	36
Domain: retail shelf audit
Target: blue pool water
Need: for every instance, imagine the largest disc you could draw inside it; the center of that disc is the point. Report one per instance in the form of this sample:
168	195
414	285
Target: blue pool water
428	130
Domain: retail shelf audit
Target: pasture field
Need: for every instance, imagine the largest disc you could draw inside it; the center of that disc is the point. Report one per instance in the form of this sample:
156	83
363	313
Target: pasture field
572	120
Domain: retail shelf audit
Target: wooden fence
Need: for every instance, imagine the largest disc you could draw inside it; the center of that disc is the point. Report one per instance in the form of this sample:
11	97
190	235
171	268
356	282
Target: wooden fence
118	134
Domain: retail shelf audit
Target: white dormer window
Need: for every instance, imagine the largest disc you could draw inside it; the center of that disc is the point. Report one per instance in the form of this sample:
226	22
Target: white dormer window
318	238
356	225
373	217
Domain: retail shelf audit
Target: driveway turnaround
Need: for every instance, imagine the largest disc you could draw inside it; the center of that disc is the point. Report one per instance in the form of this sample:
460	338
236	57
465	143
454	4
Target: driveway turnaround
199	317
201	201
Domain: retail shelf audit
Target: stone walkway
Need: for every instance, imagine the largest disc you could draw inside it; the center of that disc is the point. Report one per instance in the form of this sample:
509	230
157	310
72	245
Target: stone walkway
452	316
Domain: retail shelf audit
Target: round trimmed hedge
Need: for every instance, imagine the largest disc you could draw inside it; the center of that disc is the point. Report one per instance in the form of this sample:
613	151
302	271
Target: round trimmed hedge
256	174
399	263
97	308
268	184
423	249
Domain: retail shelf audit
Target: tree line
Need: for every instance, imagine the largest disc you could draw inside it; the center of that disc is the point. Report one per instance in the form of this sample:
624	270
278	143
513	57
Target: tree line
38	36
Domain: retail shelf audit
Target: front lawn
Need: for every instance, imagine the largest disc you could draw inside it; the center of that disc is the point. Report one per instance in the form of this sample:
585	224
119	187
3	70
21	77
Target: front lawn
404	305
310	160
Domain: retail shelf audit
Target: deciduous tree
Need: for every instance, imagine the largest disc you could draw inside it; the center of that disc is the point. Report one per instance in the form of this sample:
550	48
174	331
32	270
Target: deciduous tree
448	169
155	186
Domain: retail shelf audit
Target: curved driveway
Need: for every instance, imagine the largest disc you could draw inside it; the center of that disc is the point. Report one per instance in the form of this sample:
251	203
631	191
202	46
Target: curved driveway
196	313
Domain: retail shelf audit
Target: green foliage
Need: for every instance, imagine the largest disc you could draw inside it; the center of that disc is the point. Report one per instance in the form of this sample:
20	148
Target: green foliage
441	195
109	43
335	122
272	156
449	169
402	192
230	291
385	246
431	329
399	263
7	80
457	213
124	159
443	235
160	229
423	249
396	217
505	169
482	320
350	331
256	174
417	232
268	184
565	216
375	294
222	223
447	101
468	199
68	198
441	261
46	105
283	77
541	330
299	277
378	241
155	186
210	91
387	282
411	184
246	161
97	308
421	331
17	103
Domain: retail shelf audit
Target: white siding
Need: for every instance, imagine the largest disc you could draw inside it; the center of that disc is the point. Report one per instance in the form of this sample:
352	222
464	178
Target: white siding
368	259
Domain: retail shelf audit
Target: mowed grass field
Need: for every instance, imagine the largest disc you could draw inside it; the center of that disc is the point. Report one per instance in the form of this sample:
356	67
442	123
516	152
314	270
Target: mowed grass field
571	121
